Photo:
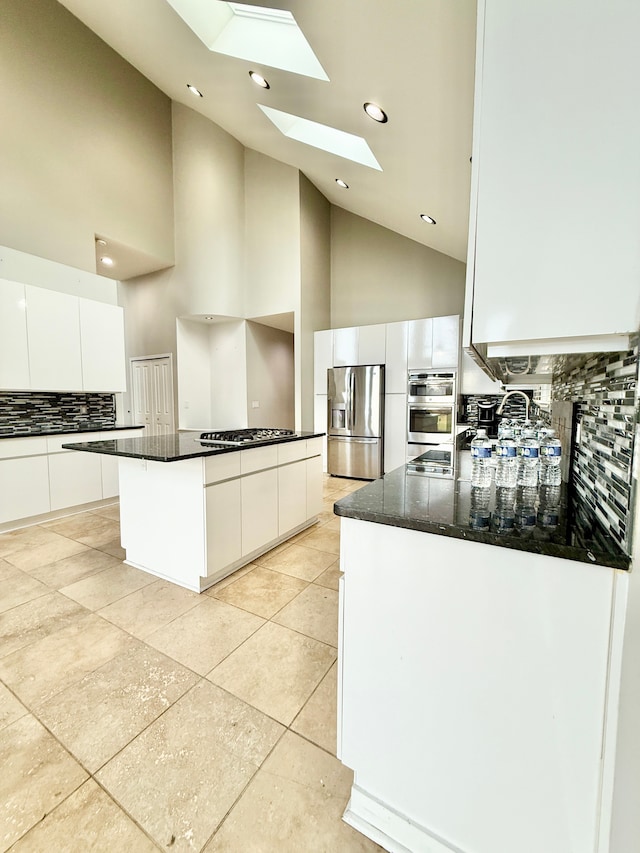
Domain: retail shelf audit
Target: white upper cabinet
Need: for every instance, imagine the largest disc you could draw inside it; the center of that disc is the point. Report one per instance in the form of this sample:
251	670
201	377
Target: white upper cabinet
345	346
446	342
14	354
322	359
396	358
371	344
102	342
555	203
53	326
420	343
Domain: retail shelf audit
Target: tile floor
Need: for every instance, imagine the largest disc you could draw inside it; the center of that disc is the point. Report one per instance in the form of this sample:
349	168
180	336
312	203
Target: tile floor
137	716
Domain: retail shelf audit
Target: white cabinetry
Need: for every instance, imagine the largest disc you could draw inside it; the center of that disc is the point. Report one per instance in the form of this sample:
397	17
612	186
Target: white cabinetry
259	509
395	379
74	479
420	343
555	205
320	423
102	343
24	478
434	342
322	359
223	525
371	344
292	483
314	478
395	431
14	354
53	325
345	346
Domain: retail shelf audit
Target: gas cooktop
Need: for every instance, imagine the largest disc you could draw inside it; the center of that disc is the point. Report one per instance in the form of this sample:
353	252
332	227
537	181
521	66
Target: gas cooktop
239	437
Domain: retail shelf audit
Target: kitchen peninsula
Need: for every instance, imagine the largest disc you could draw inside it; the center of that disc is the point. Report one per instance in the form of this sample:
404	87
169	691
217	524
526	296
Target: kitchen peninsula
194	512
479	690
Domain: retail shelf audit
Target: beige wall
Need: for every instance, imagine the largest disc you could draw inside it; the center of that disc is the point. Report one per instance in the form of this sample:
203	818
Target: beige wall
85	145
270	377
378	276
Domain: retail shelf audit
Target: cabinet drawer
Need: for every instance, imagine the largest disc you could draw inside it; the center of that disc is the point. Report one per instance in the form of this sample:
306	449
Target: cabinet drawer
291	451
223	467
314	446
55	442
258	458
24	488
12	447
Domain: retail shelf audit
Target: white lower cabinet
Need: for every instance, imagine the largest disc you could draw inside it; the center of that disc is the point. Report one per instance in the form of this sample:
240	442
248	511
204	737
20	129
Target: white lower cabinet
24	487
292	484
314	485
259	509
74	479
320	423
110	482
223	503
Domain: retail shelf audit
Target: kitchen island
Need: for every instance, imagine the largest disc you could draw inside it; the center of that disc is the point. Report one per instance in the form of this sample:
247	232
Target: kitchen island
479	670
193	513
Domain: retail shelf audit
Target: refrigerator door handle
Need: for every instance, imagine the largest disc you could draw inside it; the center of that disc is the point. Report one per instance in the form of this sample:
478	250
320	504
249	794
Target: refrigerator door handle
352	398
352	440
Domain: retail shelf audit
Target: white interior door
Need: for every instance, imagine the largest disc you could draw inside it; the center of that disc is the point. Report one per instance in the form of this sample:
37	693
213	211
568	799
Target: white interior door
152	392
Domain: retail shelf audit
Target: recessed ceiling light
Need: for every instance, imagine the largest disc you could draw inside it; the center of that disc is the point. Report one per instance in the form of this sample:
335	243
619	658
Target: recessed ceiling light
101	242
106	260
259	79
342	184
428	219
375	112
194	91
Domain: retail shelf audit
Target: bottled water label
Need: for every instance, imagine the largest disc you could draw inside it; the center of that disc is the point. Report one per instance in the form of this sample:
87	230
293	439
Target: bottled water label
506	451
528	452
551	450
481	452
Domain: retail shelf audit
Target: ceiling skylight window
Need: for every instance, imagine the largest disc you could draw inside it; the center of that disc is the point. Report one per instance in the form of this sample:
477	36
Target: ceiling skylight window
255	33
322	136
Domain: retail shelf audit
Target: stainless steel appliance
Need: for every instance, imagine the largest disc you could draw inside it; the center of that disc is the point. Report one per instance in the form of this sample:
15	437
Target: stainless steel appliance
355	421
433	460
239	437
431	423
431	386
487	417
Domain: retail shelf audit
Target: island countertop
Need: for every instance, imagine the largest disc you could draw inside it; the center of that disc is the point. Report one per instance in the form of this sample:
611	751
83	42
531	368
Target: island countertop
70	430
444	507
176	446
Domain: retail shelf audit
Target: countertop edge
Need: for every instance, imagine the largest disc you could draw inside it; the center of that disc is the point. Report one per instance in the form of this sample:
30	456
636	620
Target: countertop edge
47	433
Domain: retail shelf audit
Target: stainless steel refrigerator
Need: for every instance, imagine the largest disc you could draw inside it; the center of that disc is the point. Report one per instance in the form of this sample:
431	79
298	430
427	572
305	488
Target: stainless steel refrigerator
355	421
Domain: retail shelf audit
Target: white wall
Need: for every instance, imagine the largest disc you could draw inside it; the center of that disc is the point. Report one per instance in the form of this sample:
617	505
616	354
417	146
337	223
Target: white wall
228	353
378	276
85	146
270	377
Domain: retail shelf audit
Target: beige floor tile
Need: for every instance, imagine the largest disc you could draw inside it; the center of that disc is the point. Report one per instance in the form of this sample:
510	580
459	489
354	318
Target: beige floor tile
275	670
113	547
87	820
71	569
206	634
323	540
313	613
25	537
10	709
294	803
38	671
18	587
259	561
81	524
318	720
36	619
107	586
332	524
230	579
104	535
97	716
37	774
179	777
261	591
301	562
330	577
32	558
112	511
144	611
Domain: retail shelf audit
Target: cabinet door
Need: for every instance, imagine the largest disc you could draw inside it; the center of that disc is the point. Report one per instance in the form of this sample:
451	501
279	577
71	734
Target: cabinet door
74	479
224	526
420	343
314	486
110	483
395	431
14	354
446	342
292	496
53	326
24	487
345	346
371	344
259	494
102	344
396	358
320	423
322	359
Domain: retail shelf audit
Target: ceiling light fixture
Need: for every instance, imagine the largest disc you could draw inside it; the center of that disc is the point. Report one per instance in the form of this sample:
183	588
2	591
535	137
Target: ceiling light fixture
259	80
375	112
101	242
194	91
428	219
106	260
342	184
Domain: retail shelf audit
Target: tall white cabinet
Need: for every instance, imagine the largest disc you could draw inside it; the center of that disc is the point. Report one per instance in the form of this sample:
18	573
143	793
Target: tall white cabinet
14	353
53	328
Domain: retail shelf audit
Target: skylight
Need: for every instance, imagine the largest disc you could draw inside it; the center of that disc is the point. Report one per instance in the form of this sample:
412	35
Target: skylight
322	136
256	33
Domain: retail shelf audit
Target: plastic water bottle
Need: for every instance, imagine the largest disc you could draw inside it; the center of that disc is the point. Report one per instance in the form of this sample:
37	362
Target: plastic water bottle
503	518
506	470
548	507
525	507
481	460
516	426
550	455
528	459
479	513
503	427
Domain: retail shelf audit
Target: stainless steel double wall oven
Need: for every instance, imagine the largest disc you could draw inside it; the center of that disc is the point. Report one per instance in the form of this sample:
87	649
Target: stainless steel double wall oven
431	420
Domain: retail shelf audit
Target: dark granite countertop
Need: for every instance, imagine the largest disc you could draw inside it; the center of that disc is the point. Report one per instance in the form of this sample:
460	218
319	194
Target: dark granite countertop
174	447
68	431
449	508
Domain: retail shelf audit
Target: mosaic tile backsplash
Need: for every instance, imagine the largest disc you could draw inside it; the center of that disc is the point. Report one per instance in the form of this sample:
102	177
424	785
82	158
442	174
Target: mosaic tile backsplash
513	408
27	413
604	389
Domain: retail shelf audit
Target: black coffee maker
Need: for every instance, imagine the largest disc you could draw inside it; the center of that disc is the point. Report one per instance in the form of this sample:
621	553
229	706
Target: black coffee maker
487	418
